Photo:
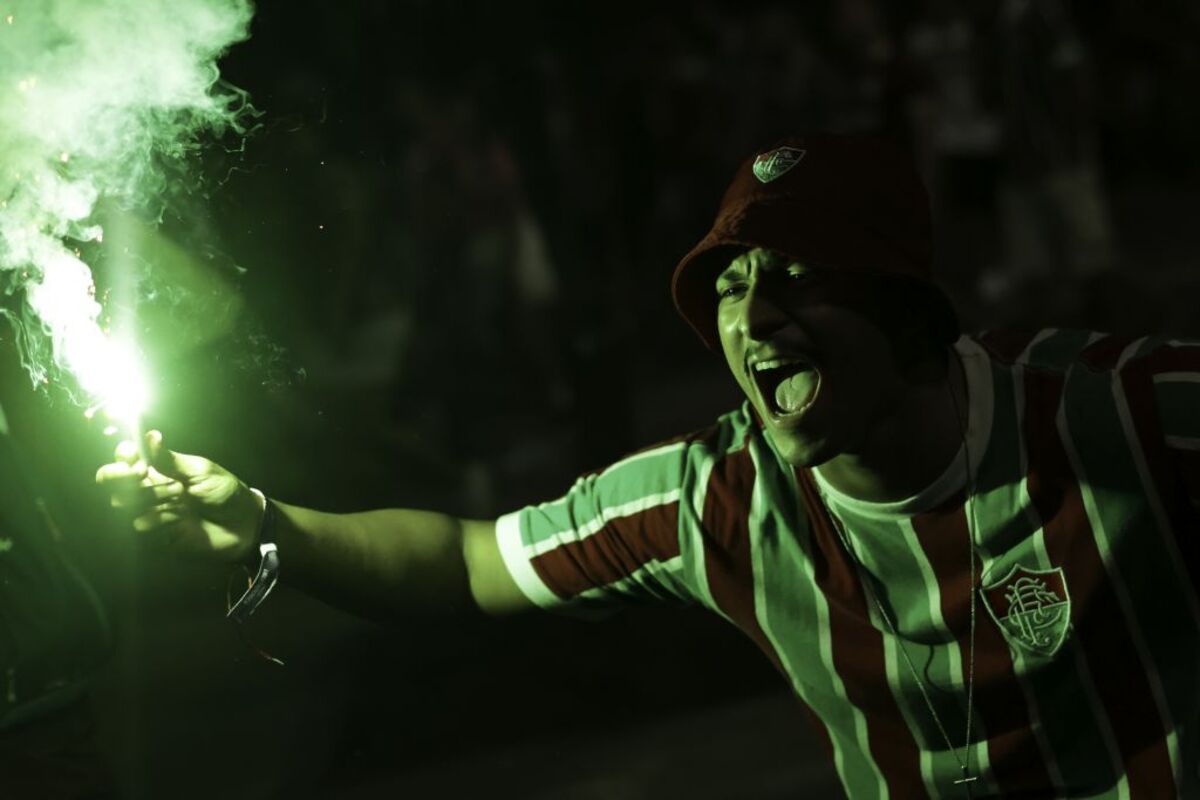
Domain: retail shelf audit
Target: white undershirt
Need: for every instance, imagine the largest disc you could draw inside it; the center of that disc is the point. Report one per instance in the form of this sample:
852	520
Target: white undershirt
978	373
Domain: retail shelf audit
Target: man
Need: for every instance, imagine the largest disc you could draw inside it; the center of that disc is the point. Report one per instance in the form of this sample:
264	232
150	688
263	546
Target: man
972	558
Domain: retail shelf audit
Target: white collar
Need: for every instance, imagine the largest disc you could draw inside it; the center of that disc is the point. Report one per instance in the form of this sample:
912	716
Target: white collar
978	372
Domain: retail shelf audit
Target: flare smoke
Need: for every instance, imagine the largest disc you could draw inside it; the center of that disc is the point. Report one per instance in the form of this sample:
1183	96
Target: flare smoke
100	100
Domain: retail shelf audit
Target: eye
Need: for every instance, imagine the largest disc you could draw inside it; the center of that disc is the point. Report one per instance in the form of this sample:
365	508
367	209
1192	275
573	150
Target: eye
729	290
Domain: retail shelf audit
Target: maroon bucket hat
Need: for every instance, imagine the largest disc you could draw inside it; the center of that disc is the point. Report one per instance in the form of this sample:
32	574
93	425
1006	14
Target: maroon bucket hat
850	202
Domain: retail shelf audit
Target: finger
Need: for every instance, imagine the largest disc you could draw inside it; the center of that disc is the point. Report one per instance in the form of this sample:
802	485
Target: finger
158	518
119	472
164	534
161	459
179	466
147	496
154	444
156	478
126	452
188	466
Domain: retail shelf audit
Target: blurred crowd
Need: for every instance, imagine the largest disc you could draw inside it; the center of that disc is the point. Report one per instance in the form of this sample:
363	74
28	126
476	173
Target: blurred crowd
507	189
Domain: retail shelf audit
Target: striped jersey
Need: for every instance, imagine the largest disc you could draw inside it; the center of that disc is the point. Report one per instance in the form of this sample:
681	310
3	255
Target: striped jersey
1076	495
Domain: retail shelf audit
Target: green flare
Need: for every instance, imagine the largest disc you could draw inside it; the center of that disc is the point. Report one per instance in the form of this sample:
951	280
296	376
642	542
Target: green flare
99	100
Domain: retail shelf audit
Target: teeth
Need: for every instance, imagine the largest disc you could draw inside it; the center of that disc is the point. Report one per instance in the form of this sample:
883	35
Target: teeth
776	363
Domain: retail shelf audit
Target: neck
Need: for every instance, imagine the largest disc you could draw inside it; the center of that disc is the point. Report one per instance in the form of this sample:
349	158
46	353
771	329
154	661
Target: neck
908	448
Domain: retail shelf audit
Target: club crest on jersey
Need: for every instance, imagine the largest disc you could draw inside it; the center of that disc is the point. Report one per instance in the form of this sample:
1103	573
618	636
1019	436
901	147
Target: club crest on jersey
1032	608
776	163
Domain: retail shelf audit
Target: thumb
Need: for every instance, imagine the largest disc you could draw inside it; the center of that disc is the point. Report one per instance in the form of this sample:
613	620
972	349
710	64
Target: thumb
179	466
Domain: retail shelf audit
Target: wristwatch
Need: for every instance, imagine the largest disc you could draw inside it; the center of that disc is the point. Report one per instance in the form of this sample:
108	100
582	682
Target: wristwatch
267	574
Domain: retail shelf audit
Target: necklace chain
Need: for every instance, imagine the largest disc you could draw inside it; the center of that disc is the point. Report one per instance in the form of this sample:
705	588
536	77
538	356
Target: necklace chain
964	762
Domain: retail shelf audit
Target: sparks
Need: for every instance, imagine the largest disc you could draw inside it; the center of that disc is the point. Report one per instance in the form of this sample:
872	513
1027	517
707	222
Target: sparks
110	371
81	127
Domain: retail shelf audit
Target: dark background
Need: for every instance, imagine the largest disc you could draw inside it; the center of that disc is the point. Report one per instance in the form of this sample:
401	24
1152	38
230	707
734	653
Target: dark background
448	243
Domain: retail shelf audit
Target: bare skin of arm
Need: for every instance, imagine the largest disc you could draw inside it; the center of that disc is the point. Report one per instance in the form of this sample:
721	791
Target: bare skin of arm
394	558
379	563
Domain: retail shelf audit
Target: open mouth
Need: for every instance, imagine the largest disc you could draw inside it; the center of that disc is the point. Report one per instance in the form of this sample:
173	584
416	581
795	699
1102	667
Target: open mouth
787	385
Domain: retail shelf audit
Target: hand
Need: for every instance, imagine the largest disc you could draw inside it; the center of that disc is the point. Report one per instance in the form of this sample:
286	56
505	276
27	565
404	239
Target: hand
185	502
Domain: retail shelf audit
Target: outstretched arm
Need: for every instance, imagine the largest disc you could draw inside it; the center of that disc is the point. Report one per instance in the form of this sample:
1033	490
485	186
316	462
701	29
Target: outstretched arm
397	558
379	562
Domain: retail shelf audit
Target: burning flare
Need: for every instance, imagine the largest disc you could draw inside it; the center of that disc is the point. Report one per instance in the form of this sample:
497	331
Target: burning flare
99	100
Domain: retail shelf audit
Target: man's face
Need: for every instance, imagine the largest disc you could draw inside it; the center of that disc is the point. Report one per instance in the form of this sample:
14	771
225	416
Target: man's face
800	344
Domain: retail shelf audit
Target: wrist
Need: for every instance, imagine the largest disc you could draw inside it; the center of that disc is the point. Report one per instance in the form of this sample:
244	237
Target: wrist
251	554
263	562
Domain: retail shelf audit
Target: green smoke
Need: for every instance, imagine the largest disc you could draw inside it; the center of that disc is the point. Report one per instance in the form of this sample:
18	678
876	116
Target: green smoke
101	101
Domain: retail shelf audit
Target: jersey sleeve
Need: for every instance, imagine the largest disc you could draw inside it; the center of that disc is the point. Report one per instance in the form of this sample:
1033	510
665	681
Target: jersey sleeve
613	539
1174	369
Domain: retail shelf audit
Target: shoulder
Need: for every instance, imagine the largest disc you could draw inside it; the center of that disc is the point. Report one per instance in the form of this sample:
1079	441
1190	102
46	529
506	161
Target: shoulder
686	464
1038	348
1061	349
1169	360
728	434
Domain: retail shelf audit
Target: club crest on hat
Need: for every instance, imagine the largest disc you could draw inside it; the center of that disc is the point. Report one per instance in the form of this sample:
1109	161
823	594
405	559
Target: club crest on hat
1032	609
771	165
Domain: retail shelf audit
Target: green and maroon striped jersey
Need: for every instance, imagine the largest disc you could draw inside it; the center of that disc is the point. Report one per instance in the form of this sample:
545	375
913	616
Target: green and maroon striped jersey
1081	503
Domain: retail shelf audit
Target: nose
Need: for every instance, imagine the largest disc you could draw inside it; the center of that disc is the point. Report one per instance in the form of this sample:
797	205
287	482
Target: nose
761	313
